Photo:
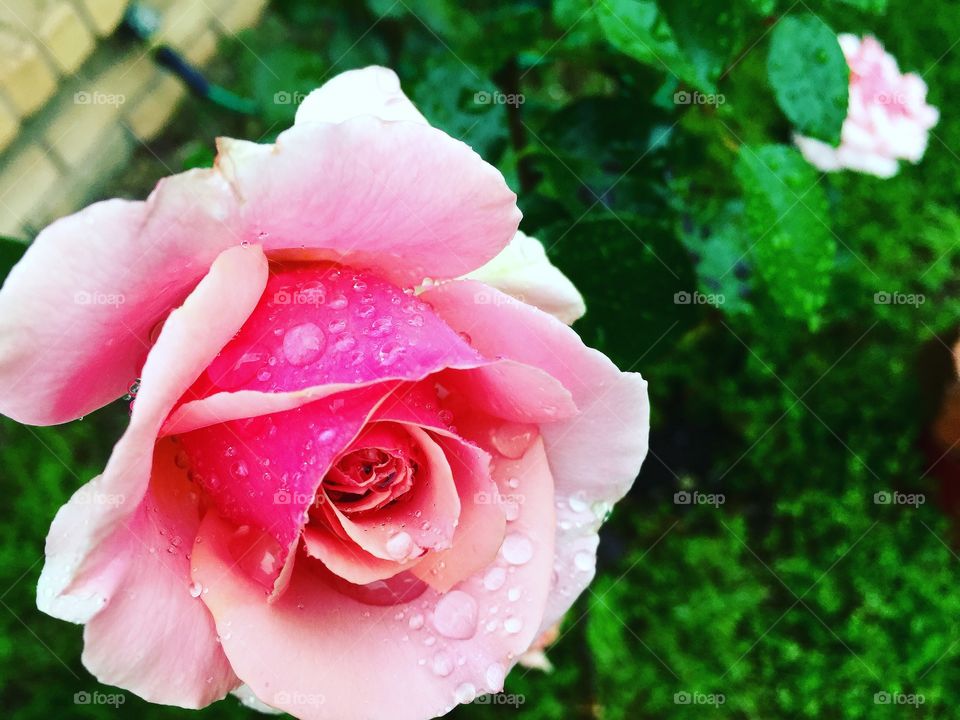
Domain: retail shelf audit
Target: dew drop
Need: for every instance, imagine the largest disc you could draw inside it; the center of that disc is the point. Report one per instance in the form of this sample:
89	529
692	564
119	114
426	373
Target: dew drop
513	439
517	549
465	693
513	625
196	589
399	545
495	676
416	621
442	664
494	578
303	344
583	561
456	615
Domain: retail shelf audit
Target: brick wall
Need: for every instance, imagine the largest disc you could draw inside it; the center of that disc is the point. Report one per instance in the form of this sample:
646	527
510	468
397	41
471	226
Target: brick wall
74	104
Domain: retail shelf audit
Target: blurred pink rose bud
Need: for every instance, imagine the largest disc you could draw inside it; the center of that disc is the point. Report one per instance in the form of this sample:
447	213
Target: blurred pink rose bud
888	118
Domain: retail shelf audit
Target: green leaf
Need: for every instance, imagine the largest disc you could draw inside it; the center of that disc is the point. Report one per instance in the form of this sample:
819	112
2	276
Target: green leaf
792	247
638	29
809	76
10	253
708	33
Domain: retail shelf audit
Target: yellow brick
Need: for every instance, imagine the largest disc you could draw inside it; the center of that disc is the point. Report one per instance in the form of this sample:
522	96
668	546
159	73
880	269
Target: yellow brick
183	21
26	179
80	124
149	116
66	36
128	78
242	14
201	49
24	73
8	126
104	15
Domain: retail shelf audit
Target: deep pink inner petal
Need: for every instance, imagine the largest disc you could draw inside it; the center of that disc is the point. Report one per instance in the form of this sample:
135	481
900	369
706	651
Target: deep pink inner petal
321	323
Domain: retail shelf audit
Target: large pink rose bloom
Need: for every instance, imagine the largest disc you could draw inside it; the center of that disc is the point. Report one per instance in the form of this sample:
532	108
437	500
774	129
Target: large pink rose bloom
355	483
888	118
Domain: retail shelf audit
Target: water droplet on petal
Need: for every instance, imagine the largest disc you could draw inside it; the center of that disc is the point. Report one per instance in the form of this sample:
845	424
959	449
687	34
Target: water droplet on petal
494	578
578	502
517	549
465	693
196	589
399	545
583	561
513	439
495	676
442	664
416	621
456	615
303	344
513	625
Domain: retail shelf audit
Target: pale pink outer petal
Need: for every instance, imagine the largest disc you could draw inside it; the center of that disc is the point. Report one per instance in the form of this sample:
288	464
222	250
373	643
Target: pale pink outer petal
319	654
96	549
402	198
523	271
371	90
594	456
132	643
77	312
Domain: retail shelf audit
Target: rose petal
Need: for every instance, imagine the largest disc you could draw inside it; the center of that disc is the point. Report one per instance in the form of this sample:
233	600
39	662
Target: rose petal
264	471
523	271
129	643
77	312
369	91
402	198
433	500
322	324
76	565
596	455
368	665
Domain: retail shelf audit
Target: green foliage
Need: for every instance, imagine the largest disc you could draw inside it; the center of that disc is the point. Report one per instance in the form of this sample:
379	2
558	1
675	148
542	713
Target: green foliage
792	248
650	152
809	76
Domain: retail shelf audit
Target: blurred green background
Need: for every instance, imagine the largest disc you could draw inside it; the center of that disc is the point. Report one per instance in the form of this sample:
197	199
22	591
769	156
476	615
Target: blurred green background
797	398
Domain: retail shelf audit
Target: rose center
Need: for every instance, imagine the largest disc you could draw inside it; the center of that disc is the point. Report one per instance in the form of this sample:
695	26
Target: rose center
369	478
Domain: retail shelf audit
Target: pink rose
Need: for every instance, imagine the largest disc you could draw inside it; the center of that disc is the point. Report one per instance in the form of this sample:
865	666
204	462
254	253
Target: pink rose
888	118
355	483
